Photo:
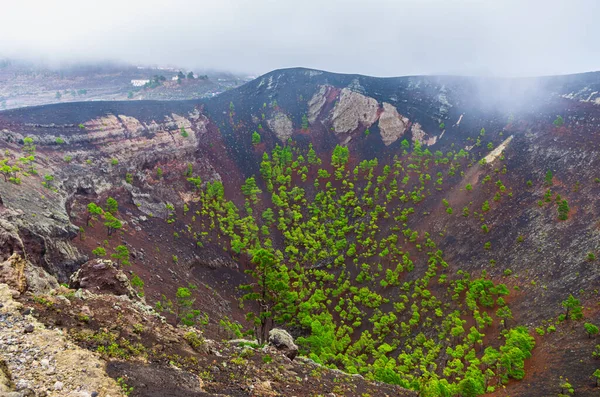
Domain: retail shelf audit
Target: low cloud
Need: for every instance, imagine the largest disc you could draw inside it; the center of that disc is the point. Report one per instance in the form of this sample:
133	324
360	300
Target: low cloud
383	38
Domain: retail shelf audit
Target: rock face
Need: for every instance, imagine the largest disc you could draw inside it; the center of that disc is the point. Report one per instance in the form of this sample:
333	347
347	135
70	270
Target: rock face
392	124
353	109
37	224
283	341
316	103
101	276
282	126
16	271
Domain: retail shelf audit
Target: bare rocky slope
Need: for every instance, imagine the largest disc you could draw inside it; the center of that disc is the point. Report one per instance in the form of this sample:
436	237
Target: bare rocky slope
93	150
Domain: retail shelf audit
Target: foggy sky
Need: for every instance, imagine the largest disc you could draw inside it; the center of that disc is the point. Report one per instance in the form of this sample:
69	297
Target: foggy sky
378	37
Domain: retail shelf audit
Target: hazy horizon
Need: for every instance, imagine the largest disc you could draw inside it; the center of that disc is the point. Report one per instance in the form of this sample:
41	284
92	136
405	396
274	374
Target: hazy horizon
395	38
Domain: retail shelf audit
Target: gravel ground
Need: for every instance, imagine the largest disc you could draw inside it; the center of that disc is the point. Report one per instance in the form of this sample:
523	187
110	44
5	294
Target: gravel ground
42	362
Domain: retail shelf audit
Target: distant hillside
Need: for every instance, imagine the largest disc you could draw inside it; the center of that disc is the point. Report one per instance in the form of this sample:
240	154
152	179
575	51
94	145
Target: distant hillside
29	84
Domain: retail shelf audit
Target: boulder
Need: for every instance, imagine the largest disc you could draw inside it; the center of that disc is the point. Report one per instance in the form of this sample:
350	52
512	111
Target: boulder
102	276
284	342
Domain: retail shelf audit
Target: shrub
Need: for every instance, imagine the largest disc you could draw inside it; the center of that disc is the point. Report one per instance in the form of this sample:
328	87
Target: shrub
559	121
255	138
591	329
540	331
194	340
99	251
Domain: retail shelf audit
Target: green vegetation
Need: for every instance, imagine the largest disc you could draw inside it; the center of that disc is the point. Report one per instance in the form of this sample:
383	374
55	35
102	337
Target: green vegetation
121	255
182	307
93	211
99	251
8	171
155	81
271	291
111	223
548	178
124	387
194	340
304	122
112	205
566	389
573	308
331	254
591	329
563	210
559	121
596	376
138	284
255	138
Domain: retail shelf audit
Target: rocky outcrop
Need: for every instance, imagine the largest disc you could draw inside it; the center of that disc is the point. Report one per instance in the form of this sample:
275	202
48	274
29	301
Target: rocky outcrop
281	125
142	139
42	227
316	103
12	273
353	109
418	135
283	341
102	276
392	125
